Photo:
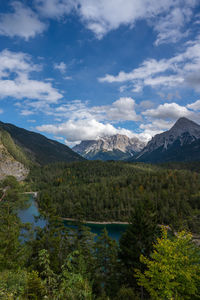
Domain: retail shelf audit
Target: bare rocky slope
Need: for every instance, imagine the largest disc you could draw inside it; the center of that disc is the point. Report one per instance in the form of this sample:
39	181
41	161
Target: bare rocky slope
180	143
10	166
116	147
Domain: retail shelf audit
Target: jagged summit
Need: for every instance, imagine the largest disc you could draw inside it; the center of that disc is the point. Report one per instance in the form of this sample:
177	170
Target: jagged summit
185	124
170	144
117	147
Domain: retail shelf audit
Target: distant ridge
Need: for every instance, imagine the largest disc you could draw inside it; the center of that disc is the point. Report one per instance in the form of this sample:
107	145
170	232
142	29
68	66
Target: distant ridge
180	143
36	148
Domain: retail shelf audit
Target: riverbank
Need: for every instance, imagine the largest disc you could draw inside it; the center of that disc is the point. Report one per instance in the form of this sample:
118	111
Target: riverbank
84	221
97	222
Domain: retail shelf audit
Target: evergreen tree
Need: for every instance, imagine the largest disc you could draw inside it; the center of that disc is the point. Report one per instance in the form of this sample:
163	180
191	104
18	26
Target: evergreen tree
107	263
137	239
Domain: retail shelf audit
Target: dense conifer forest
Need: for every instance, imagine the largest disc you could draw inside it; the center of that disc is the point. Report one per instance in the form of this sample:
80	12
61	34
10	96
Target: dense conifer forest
109	191
59	262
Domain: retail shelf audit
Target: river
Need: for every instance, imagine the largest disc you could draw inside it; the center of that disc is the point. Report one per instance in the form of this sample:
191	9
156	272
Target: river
27	215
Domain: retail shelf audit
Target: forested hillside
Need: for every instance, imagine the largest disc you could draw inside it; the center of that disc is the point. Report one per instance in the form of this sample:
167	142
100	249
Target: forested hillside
110	191
30	147
58	262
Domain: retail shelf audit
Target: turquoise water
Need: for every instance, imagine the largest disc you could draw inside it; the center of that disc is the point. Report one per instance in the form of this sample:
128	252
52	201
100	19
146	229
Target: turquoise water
28	215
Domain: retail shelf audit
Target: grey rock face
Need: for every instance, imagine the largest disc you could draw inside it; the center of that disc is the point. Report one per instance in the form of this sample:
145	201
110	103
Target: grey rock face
9	166
184	130
116	142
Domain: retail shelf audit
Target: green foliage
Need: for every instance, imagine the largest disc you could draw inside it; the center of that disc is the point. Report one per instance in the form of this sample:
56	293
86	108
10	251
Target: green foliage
75	281
137	239
109	191
107	264
58	262
34	286
12	284
127	293
35	147
16	151
173	271
12	252
49	277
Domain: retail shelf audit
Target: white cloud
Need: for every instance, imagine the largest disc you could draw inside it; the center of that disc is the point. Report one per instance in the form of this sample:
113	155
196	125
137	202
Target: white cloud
153	128
1	111
122	109
168	17
145	104
195	105
67	77
86	122
31	121
55	8
23	22
85	129
15	81
171	26
26	112
61	67
181	69
122	88
103	16
167	111
16	62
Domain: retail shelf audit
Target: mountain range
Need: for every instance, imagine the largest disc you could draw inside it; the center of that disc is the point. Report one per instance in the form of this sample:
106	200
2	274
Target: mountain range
180	143
115	147
20	148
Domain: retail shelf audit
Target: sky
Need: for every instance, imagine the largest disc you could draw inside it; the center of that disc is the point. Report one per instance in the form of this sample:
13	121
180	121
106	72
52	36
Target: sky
82	69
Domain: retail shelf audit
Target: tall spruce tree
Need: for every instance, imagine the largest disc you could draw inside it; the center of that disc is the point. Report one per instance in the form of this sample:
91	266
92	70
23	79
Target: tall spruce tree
137	240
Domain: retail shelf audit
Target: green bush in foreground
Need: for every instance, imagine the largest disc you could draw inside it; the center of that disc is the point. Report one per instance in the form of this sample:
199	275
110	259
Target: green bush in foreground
173	271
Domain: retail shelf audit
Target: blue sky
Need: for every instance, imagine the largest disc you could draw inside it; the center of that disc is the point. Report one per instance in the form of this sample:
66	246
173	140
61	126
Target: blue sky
83	69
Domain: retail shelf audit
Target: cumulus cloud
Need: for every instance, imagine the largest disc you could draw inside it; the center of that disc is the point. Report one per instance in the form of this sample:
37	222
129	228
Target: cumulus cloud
181	69
86	129
15	81
167	17
86	122
167	111
153	128
195	105
22	22
122	109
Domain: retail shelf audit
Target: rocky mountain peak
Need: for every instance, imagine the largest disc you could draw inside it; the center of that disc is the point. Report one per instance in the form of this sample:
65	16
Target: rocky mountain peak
118	142
185	124
184	131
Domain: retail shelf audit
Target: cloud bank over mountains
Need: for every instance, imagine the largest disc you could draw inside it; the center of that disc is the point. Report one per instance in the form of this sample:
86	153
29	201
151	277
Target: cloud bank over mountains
147	94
